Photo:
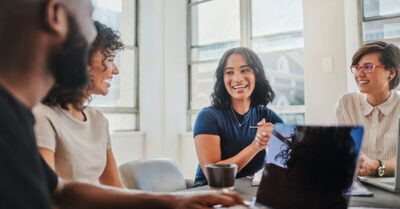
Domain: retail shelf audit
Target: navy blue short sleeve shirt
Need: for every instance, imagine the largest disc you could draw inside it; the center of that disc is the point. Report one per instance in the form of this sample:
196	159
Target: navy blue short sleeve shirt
222	122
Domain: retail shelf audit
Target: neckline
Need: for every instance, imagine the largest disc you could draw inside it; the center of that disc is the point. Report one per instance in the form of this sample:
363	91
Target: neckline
244	120
65	112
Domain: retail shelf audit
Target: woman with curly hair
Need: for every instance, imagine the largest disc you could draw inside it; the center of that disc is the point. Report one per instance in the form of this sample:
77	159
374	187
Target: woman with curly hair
73	138
238	126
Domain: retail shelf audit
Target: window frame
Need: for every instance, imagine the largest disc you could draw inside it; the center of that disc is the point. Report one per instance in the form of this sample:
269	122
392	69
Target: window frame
135	109
245	41
362	20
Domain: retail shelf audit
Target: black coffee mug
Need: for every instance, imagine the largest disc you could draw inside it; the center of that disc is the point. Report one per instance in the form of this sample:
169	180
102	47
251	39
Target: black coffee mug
221	176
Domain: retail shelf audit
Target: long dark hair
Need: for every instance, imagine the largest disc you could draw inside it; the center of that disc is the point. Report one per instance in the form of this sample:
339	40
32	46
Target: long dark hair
262	94
107	41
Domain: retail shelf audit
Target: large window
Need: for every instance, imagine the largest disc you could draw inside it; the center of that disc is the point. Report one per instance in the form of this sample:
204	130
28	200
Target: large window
121	104
381	20
273	29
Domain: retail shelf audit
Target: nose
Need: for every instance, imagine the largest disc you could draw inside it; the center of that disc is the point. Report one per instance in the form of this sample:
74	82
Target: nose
360	73
237	77
115	70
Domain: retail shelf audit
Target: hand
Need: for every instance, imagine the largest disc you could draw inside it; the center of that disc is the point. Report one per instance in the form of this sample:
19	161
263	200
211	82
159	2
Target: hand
367	166
263	135
208	201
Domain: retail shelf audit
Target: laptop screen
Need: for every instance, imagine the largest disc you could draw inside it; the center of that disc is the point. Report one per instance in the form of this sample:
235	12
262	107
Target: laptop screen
310	166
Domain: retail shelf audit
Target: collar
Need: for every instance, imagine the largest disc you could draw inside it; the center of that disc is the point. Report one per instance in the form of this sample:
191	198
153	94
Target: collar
385	108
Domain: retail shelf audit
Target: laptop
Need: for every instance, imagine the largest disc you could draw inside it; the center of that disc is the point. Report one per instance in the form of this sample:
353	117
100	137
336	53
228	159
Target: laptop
293	175
388	183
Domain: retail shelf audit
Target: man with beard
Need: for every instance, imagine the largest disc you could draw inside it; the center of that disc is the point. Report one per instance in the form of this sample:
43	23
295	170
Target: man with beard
43	42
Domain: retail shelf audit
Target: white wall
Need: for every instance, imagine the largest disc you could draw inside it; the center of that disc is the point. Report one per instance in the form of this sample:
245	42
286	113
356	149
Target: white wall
163	77
127	146
325	37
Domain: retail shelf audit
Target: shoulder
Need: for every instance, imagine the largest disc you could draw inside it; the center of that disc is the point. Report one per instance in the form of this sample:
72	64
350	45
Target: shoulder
351	100
207	121
42	110
95	114
270	115
351	97
210	112
397	95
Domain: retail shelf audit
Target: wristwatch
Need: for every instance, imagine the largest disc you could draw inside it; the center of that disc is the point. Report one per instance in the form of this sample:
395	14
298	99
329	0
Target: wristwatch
381	169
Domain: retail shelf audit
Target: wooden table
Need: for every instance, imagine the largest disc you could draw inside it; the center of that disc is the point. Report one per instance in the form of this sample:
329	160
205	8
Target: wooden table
380	199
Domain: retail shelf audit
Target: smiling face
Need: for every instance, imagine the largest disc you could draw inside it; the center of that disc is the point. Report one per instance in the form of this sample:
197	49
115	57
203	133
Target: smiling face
376	82
239	78
101	72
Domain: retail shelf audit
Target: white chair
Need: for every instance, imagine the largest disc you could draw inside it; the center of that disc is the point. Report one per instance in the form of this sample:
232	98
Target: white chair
156	175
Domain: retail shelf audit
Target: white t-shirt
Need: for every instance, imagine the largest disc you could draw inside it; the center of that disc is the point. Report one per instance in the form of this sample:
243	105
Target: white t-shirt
80	147
380	122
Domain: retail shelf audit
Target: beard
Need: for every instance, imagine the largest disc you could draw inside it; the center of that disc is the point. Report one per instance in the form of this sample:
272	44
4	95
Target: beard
68	65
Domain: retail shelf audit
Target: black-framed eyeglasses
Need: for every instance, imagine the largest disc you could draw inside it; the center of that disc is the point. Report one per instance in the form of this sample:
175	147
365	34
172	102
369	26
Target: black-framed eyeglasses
367	68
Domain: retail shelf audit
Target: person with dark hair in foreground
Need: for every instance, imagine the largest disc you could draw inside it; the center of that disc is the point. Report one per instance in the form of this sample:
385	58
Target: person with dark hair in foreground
85	155
237	127
376	106
45	42
320	165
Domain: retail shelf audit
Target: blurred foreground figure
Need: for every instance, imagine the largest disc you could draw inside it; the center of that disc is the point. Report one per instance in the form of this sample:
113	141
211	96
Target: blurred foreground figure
43	42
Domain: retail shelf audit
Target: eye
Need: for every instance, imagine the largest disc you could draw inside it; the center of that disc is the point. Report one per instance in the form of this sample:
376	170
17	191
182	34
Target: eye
229	72
368	66
246	70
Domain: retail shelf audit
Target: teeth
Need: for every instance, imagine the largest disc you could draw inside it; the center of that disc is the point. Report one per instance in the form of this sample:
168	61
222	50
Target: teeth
107	80
363	82
241	86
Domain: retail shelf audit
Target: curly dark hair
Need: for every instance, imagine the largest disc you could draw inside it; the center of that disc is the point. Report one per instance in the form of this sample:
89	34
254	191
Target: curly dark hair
107	41
326	154
262	94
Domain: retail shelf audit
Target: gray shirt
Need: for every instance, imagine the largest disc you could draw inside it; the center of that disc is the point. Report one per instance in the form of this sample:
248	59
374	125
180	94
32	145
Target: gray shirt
80	147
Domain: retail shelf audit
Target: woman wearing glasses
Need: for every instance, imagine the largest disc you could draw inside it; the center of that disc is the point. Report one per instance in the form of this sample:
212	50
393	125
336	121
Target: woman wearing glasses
377	106
237	127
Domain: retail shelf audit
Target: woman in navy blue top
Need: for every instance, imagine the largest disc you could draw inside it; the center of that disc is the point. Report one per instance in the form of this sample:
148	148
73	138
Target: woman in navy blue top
238	126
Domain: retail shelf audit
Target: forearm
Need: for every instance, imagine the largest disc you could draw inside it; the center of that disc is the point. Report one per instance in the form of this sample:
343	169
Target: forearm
390	166
114	181
242	158
79	195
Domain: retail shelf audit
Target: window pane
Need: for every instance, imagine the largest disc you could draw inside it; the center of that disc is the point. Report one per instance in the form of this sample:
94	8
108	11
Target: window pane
292	118
119	15
278	42
381	29
121	121
285	72
122	91
193	120
202	84
214	22
284	27
128	22
214	51
108	12
376	8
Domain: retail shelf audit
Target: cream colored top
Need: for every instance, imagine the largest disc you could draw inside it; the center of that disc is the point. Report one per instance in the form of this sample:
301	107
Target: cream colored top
380	122
80	147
